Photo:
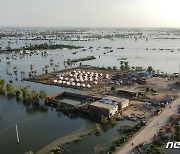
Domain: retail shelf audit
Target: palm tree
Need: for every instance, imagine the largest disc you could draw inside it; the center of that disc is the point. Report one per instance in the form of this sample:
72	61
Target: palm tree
31	67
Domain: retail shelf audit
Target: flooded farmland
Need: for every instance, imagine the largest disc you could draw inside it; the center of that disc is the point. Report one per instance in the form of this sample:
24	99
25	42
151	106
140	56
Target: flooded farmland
159	48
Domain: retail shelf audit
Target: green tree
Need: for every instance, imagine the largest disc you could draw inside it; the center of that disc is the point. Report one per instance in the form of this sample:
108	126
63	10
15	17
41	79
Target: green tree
43	95
150	69
35	96
2	85
26	95
29	152
18	93
104	120
10	89
112	122
98	128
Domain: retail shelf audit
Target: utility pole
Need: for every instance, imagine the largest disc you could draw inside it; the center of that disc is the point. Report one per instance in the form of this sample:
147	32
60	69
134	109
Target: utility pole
17	134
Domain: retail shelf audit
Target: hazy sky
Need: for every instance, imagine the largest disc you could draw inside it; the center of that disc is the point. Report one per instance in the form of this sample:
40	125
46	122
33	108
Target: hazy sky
91	13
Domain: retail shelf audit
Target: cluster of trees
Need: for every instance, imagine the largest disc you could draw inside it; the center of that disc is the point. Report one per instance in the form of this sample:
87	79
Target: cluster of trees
28	97
43	46
124	66
71	61
55	150
105	124
128	131
143	93
162	138
155	146
117	144
47	46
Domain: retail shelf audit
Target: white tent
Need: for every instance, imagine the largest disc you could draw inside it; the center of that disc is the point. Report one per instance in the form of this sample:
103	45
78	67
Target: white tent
72	79
61	78
96	78
90	79
55	81
78	84
73	83
60	81
88	86
95	82
68	83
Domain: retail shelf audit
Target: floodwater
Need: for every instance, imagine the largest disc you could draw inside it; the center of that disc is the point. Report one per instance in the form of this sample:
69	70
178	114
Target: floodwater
70	100
39	128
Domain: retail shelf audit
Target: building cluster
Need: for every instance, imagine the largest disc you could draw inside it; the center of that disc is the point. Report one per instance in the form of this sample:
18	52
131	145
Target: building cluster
80	78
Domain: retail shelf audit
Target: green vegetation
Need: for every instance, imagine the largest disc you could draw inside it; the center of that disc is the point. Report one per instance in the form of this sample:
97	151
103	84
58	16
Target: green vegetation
29	152
124	66
98	128
44	46
150	69
10	89
104	120
143	93
43	95
34	97
177	132
165	134
71	61
117	144
105	124
128	131
55	150
2	86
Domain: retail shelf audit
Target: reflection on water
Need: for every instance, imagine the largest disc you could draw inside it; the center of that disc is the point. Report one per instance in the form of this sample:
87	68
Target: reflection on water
38	128
70	100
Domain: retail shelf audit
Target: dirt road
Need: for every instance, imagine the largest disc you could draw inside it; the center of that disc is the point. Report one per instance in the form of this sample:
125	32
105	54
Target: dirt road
152	128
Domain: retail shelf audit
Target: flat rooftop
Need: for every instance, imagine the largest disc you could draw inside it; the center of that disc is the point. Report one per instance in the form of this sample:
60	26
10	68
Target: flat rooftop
117	99
102	105
132	89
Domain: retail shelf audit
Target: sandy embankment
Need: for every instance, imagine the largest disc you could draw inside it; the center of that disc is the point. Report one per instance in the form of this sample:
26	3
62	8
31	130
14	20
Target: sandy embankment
83	131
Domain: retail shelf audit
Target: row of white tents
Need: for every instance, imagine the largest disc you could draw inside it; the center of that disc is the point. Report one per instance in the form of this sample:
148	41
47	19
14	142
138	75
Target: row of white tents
87	76
80	78
73	83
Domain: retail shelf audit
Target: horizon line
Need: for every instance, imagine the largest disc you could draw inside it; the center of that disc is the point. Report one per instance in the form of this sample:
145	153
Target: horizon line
116	27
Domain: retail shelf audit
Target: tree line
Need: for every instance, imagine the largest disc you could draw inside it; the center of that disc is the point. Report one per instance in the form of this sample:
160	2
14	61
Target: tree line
33	96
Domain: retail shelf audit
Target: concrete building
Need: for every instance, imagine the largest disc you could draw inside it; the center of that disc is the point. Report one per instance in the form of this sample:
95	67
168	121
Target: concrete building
127	93
122	102
100	109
